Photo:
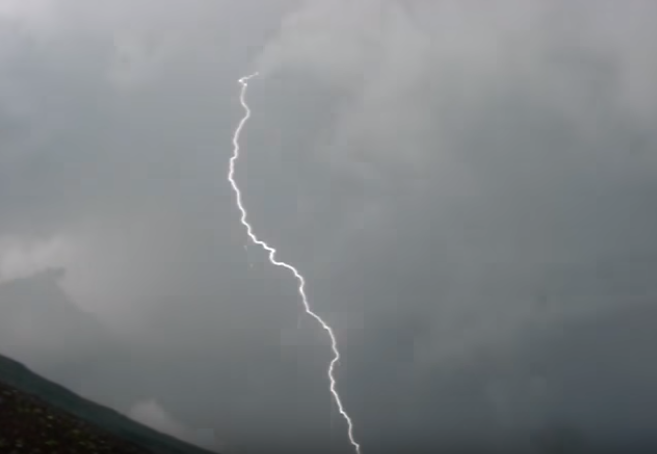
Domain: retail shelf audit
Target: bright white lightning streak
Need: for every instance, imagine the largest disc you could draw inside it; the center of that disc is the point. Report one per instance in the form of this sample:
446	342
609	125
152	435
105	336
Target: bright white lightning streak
244	82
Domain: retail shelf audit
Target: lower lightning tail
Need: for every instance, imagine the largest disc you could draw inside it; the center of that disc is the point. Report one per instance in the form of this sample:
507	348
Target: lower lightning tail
272	258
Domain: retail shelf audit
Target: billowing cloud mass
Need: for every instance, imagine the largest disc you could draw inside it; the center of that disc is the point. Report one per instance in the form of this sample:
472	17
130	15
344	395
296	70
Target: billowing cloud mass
467	185
151	414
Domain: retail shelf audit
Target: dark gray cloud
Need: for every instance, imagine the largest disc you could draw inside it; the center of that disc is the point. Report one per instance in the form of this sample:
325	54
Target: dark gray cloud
468	188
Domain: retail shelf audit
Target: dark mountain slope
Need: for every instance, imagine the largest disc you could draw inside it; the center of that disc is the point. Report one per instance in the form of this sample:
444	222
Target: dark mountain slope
41	416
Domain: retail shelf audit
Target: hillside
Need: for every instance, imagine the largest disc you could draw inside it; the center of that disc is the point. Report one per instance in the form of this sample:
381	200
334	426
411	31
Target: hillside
39	416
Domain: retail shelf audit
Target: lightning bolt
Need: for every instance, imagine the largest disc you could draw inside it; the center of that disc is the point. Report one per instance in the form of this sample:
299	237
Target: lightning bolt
244	82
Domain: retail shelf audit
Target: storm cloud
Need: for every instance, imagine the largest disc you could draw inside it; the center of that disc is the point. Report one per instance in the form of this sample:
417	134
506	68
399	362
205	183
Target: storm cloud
468	187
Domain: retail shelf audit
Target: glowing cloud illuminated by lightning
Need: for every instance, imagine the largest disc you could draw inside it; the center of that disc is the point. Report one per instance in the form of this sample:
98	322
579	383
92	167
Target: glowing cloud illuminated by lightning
244	81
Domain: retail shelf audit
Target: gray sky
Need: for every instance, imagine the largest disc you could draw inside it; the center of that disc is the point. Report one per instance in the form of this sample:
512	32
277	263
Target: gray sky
467	185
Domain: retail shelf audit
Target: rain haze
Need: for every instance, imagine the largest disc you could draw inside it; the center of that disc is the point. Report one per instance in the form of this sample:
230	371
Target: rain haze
468	186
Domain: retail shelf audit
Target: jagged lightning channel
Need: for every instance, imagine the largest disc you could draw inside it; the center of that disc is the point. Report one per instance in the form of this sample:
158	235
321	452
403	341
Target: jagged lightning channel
244	82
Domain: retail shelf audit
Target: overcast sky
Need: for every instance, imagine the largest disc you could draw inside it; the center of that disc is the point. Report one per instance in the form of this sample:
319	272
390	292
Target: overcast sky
468	186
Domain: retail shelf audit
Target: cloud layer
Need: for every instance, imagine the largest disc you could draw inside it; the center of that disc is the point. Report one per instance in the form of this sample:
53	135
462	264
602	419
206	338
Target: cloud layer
468	188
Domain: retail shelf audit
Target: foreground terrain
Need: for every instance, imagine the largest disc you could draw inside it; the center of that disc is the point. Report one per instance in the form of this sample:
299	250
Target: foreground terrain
39	417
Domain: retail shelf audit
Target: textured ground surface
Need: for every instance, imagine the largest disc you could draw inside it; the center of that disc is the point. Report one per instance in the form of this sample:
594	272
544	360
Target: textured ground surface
38	416
28	425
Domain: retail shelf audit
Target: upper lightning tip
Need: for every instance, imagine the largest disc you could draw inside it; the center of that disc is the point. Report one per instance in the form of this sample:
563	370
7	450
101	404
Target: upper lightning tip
245	79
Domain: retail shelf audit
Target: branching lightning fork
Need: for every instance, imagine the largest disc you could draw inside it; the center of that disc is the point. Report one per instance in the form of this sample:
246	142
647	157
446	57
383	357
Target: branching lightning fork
244	82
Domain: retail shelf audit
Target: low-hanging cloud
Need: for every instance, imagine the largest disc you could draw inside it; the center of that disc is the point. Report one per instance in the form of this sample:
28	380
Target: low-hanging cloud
150	413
